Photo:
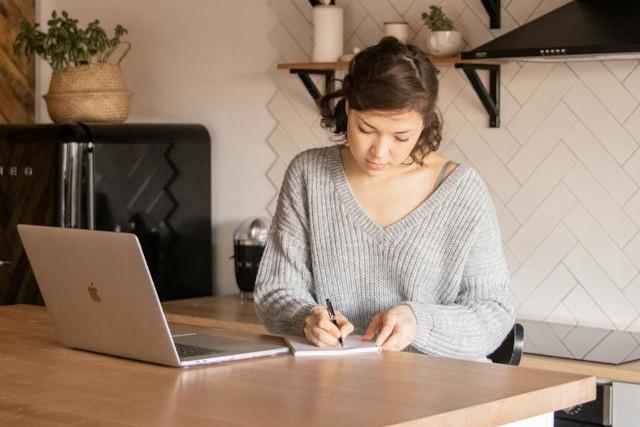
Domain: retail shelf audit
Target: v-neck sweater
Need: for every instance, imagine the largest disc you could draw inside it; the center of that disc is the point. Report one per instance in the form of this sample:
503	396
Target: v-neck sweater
444	259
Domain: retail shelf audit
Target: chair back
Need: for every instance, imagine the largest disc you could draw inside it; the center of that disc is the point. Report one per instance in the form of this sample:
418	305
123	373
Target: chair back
510	351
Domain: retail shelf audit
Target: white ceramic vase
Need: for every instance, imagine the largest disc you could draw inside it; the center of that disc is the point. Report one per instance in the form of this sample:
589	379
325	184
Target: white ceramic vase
445	43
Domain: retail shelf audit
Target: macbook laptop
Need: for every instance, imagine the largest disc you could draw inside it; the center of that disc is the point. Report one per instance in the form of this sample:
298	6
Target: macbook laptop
101	298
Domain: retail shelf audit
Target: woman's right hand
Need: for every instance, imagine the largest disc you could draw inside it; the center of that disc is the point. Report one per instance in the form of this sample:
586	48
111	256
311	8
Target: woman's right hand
320	331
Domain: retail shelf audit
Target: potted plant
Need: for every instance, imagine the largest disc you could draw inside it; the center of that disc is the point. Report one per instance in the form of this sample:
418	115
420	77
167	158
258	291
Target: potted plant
84	85
444	39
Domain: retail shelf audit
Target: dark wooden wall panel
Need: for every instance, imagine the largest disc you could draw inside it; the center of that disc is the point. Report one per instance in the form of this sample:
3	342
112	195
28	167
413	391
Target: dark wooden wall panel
23	197
17	81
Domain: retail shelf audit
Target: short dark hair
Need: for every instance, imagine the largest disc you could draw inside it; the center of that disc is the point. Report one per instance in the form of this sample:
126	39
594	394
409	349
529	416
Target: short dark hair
389	76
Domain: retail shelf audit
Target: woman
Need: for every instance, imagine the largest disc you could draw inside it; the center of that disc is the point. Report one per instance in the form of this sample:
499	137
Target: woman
403	242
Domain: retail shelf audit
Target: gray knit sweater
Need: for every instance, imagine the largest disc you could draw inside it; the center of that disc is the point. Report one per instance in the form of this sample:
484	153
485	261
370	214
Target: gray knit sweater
444	259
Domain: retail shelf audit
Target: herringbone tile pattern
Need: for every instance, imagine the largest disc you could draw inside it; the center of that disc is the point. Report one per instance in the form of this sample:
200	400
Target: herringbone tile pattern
563	169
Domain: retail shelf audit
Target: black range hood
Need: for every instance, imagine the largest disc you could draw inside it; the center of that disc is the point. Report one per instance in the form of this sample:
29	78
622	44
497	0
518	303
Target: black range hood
580	30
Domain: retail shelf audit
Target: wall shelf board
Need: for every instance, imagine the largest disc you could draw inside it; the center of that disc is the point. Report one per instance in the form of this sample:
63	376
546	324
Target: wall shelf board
490	97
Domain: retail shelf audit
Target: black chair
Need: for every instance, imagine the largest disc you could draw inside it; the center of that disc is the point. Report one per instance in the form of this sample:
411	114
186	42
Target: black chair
510	351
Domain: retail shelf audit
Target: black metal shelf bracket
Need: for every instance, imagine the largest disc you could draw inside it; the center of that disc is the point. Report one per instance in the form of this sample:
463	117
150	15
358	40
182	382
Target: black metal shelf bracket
490	98
329	81
493	9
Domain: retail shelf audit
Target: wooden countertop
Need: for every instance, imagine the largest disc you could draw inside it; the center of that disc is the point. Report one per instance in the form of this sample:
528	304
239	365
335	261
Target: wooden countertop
626	372
230	311
226	311
47	384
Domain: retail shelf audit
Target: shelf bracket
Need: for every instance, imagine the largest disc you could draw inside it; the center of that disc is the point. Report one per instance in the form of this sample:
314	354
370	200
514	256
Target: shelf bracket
490	98
493	10
329	81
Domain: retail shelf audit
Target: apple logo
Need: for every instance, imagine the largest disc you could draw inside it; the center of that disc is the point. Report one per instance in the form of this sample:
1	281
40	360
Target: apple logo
93	292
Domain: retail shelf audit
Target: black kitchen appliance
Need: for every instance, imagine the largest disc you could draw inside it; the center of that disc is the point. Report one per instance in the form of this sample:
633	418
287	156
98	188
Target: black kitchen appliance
581	29
597	413
153	180
249	241
587	343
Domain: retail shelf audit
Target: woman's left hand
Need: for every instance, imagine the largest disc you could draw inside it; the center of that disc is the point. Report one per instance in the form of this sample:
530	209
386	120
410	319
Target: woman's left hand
395	328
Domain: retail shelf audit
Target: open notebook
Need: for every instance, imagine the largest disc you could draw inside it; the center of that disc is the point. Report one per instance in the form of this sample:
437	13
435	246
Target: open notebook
353	344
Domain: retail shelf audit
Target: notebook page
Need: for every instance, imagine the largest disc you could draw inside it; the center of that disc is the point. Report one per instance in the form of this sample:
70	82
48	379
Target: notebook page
353	344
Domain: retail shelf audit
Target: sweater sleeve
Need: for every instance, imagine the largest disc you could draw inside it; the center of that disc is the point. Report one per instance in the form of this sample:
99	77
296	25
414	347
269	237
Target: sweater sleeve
482	313
284	285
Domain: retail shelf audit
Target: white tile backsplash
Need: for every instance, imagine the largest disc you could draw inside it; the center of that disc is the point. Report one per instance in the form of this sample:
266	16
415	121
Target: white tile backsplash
295	22
584	309
542	142
542	182
291	121
600	288
528	80
543	334
602	165
546	296
580	341
598	243
381	11
632	250
475	33
287	46
632	82
606	88
538	226
488	164
600	122
520	10
621	68
616	346
598	201
451	83
354	15
553	88
500	141
632	292
542	261
561	316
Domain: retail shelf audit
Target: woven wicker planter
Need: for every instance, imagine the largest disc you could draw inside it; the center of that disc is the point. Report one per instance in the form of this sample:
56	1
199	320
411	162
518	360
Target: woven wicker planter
88	93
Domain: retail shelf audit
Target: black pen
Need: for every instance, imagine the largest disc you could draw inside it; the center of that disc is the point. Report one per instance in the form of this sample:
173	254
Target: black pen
334	319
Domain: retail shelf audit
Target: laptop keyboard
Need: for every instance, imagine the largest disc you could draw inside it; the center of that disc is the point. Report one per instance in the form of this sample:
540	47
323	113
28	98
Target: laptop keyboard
186	350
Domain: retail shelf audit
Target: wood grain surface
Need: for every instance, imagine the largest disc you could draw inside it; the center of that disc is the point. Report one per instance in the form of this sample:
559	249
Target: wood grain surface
627	372
17	81
232	312
47	384
221	311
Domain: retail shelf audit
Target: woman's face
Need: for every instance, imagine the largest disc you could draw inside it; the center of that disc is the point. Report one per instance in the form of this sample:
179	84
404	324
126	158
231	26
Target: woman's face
380	141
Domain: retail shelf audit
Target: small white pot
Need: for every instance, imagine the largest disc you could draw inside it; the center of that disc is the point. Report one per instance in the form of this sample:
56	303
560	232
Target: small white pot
397	29
445	43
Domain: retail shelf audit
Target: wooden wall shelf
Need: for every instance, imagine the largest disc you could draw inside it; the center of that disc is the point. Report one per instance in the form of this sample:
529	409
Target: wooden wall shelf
490	97
451	60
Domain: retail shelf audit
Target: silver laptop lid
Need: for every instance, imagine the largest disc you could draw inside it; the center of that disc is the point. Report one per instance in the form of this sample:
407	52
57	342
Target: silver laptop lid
99	293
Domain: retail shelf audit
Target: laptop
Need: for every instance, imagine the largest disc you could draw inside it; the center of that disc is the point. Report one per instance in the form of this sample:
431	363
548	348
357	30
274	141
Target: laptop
101	298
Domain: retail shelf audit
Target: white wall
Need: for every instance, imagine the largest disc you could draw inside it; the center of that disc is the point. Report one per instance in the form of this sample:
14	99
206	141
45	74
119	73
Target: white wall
199	61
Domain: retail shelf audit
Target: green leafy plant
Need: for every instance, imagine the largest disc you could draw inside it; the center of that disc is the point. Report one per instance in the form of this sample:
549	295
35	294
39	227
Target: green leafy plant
437	20
65	45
